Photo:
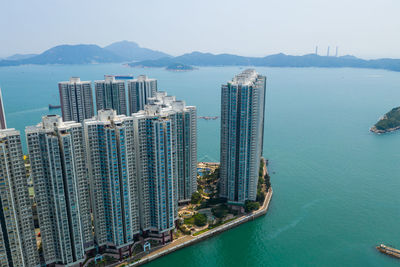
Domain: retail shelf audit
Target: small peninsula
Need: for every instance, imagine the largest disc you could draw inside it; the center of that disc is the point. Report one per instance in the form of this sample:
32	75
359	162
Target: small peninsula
388	123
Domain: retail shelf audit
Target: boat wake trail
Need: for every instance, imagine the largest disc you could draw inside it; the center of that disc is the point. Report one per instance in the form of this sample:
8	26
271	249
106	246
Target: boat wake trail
293	224
27	111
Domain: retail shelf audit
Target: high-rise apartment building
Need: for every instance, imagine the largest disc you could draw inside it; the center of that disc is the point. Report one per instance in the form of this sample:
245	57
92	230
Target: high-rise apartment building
59	172
242	130
186	142
76	99
114	188
111	94
3	124
157	166
140	90
17	233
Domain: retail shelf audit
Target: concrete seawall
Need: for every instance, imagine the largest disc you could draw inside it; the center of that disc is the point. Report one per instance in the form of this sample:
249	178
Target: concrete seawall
195	239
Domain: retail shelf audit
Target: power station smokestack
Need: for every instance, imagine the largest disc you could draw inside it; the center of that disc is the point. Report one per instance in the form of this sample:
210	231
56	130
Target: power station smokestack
327	53
336	54
316	50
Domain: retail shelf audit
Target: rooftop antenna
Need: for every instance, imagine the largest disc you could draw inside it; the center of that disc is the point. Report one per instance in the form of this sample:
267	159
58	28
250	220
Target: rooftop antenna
316	50
327	53
336	54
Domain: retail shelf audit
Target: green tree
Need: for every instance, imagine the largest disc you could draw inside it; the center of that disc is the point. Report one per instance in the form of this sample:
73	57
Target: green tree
200	219
251	205
196	198
220	211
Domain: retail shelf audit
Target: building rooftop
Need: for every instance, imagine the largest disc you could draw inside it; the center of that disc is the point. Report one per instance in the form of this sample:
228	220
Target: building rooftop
51	122
246	77
73	80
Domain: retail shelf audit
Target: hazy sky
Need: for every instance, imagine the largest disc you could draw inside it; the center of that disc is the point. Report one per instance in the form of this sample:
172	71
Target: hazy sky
364	28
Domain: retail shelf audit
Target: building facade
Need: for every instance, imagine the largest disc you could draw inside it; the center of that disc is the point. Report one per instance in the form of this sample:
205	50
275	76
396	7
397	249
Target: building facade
156	150
140	90
242	130
185	118
3	124
17	233
111	94
76	100
58	165
114	188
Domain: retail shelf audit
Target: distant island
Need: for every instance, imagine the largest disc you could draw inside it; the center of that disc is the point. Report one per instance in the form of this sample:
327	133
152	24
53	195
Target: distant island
278	60
388	123
179	67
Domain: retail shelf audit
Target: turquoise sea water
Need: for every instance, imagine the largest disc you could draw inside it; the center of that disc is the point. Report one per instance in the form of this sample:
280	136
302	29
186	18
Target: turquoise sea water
336	185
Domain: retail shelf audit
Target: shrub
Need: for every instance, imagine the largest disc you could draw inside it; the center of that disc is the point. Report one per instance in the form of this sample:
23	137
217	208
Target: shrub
196	198
200	219
220	211
251	205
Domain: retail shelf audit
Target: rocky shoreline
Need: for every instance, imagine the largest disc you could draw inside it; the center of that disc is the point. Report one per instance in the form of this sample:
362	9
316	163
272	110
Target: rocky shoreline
375	130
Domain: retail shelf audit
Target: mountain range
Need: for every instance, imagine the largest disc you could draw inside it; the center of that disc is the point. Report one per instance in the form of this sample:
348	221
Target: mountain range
136	56
118	52
277	60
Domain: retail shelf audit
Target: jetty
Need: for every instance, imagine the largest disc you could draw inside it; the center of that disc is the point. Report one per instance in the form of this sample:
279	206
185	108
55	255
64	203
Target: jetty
389	250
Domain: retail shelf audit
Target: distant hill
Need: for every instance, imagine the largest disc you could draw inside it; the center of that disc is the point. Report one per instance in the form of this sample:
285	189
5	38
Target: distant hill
278	60
86	54
20	56
68	54
131	51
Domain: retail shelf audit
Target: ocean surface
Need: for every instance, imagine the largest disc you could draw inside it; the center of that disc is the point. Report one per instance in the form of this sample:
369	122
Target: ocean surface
336	185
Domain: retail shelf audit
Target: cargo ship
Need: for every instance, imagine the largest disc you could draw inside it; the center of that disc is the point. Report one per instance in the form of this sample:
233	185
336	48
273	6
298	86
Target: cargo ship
388	250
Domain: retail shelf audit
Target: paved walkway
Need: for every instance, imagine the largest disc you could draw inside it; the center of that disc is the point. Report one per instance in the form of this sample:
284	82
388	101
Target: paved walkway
190	240
186	241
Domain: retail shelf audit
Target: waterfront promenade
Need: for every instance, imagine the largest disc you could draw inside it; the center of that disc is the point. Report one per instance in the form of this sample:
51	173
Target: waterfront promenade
190	240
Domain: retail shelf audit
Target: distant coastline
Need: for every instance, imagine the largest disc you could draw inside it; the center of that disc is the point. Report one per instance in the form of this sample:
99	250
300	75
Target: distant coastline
279	60
133	55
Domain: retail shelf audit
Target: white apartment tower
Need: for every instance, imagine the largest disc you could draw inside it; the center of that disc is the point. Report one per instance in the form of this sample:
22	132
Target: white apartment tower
58	163
140	90
17	232
76	99
114	188
110	94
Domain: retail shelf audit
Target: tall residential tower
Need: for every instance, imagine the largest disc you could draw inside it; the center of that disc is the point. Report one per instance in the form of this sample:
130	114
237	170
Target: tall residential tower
110	94
140	90
76	100
156	147
186	141
112	174
242	130
17	232
58	164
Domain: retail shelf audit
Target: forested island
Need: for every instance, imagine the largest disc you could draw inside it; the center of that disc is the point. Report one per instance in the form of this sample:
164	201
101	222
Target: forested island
388	123
179	67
